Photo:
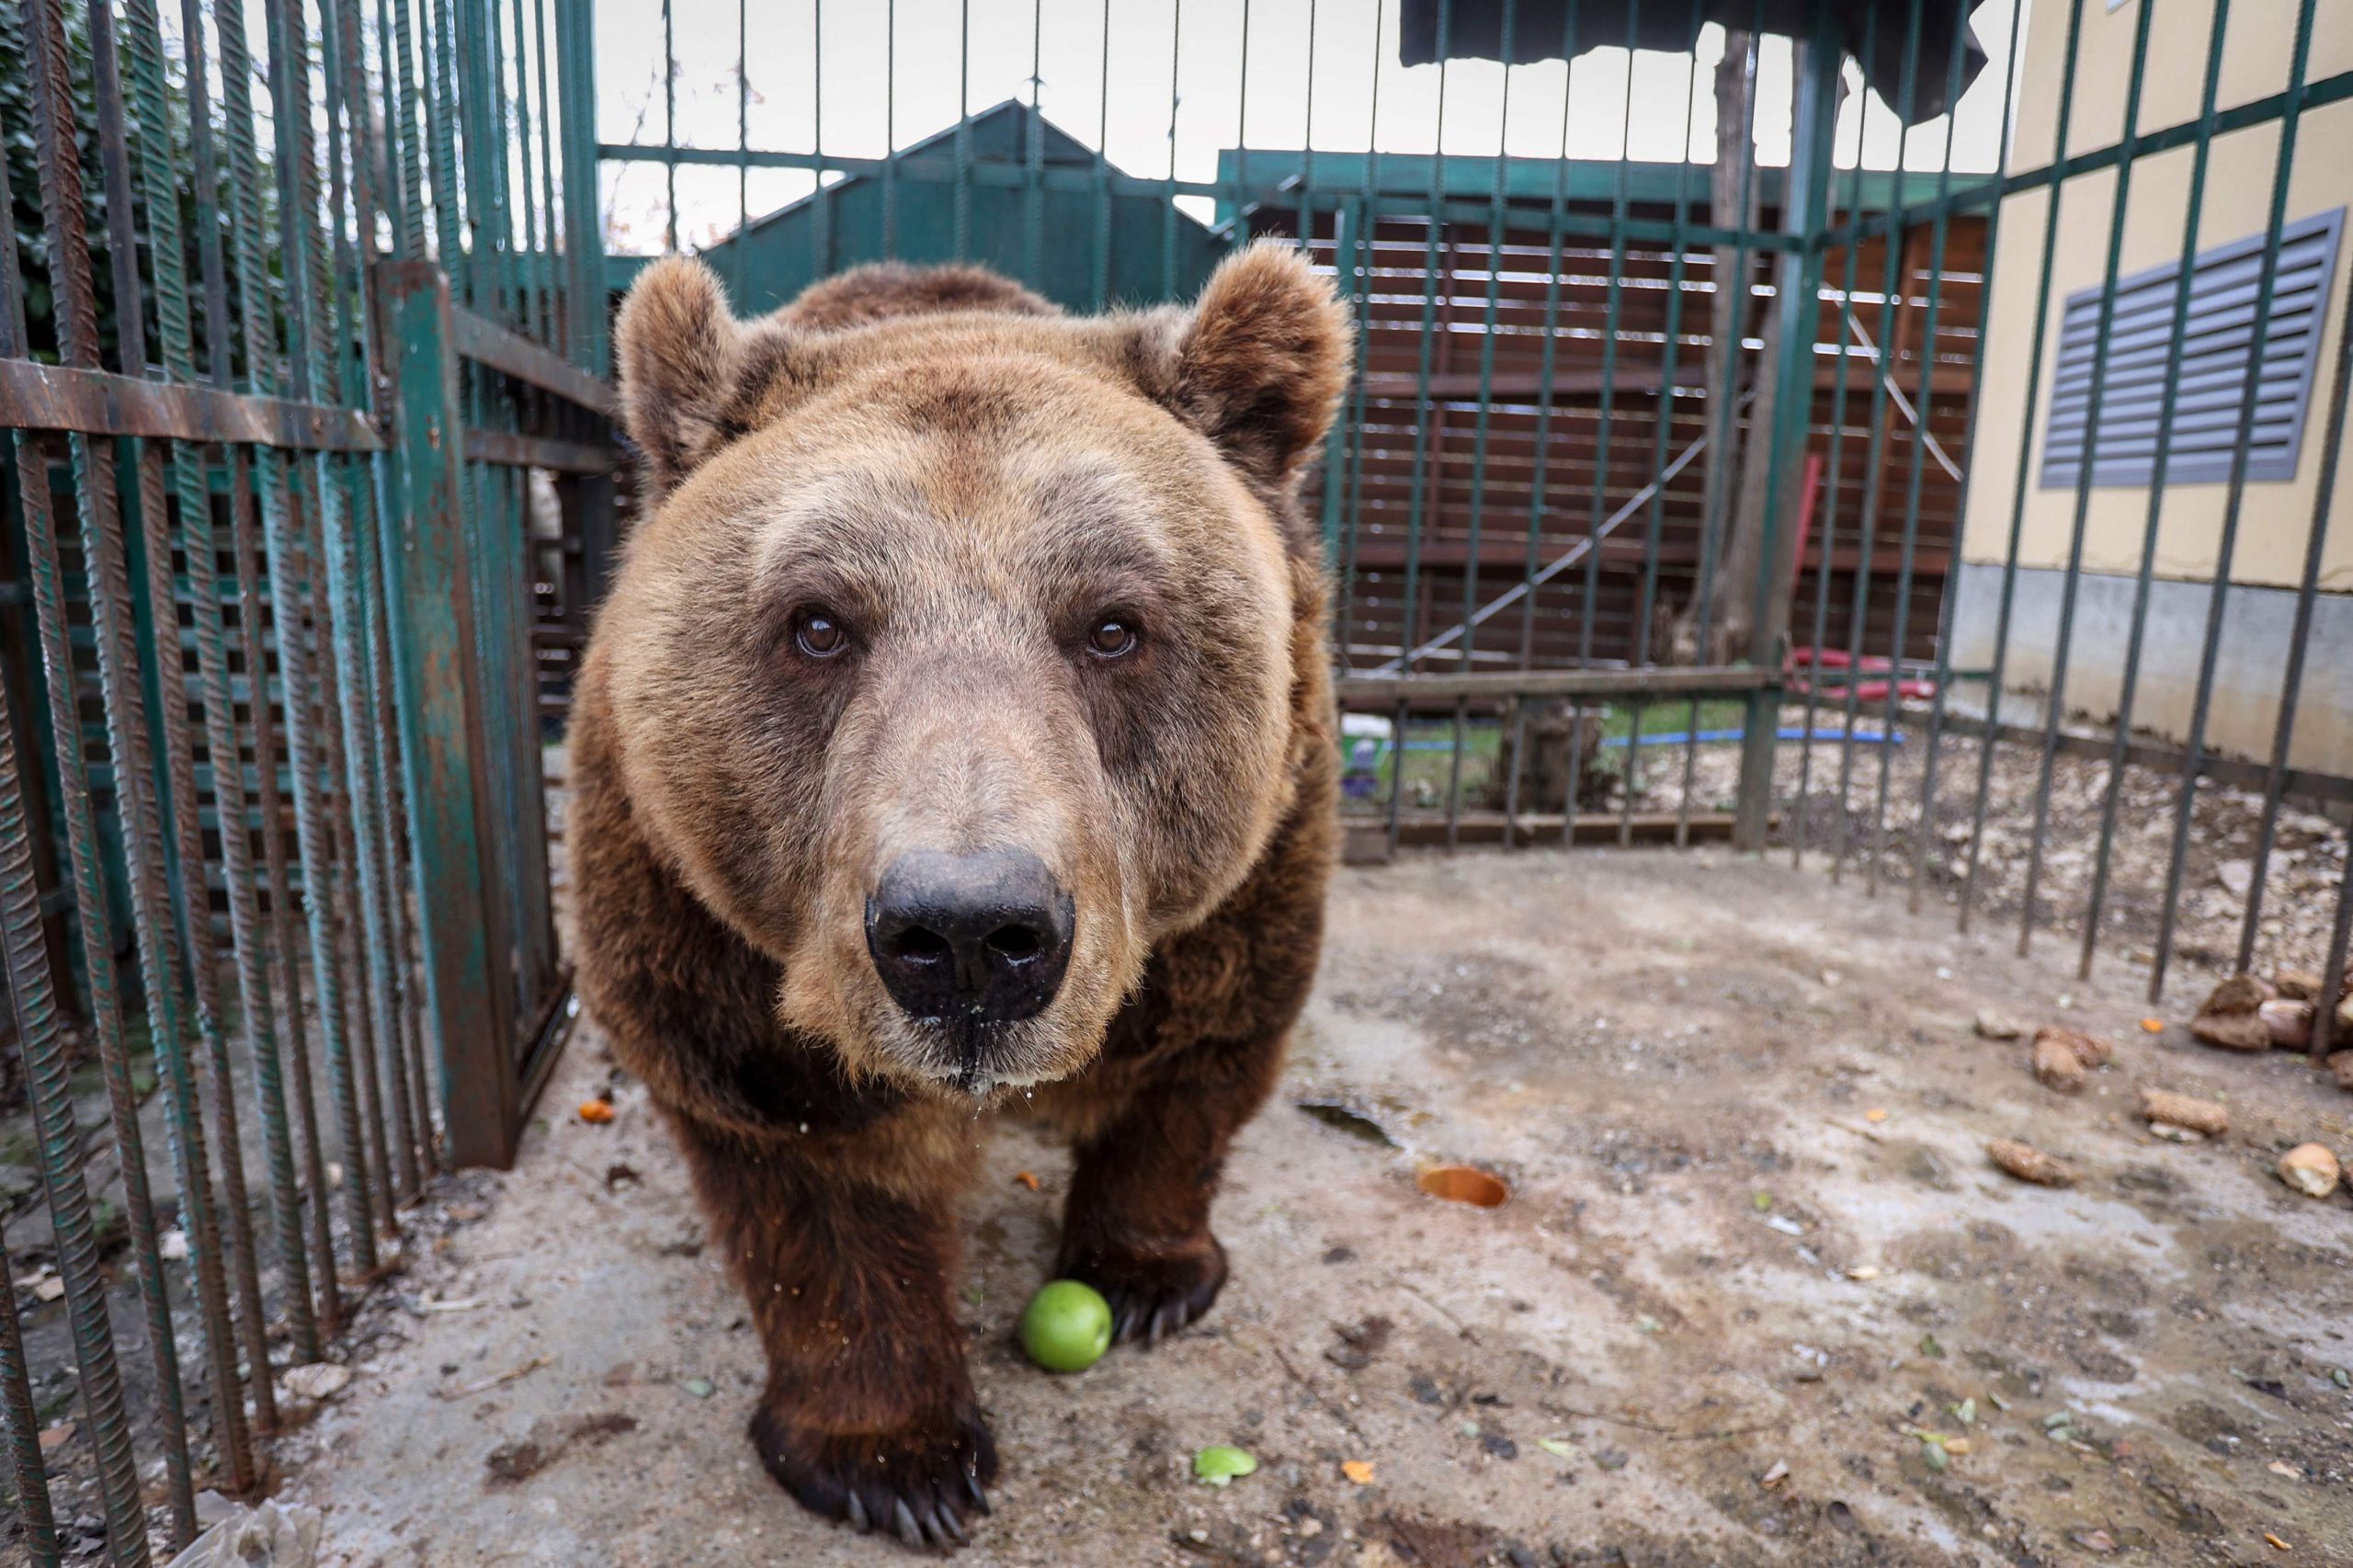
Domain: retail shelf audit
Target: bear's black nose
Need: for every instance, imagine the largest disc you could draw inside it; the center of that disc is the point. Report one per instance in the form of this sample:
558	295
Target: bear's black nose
970	938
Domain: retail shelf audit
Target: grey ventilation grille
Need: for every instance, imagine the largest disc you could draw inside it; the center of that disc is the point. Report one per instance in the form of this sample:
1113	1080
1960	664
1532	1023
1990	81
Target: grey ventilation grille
2219	336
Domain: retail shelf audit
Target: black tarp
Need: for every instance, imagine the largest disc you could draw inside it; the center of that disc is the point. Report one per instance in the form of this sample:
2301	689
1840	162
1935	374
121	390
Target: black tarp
1475	31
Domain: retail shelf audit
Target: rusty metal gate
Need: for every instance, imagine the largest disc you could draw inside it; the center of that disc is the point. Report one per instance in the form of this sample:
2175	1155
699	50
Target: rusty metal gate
296	331
1929	472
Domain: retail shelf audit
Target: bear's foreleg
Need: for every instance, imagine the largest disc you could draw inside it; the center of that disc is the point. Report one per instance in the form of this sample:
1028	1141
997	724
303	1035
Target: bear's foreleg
1137	1225
869	1413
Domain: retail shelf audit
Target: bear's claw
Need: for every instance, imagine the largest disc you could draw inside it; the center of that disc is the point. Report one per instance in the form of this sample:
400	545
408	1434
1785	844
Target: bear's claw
917	1485
1152	1297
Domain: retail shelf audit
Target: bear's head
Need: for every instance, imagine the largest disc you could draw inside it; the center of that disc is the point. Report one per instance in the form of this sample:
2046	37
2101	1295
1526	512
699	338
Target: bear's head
953	664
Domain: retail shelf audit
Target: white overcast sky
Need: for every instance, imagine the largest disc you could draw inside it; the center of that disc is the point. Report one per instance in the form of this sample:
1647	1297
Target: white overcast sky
1355	52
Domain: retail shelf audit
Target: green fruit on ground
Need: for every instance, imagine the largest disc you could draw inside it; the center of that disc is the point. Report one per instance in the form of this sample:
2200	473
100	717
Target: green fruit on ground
1220	1463
1066	1326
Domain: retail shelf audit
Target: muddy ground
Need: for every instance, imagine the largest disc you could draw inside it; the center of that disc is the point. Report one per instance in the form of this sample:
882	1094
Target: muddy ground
1720	1259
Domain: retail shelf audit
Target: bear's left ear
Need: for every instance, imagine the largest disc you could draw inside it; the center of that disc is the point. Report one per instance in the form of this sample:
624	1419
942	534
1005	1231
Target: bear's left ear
680	353
1263	362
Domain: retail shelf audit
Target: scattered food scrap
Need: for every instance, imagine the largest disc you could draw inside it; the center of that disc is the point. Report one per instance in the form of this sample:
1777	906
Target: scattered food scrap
2291	1023
2029	1164
1358	1471
1992	1025
2153	1025
2231	1016
2065	1057
319	1380
1220	1463
1027	1178
2312	1169
596	1112
2206	1117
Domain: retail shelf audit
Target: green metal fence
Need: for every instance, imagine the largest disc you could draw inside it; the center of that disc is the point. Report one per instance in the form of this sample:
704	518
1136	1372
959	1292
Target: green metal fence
287	322
1892	502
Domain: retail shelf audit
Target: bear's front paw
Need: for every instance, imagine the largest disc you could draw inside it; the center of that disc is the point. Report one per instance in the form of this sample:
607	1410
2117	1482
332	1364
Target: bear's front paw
1153	1292
920	1483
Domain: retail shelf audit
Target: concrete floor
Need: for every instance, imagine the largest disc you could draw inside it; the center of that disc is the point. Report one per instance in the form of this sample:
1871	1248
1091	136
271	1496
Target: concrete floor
1719	1259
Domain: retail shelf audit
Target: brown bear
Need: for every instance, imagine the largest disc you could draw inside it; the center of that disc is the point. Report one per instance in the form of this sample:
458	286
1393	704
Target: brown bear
956	736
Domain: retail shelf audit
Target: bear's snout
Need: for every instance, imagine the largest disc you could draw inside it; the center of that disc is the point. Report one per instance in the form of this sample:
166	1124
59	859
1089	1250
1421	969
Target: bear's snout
968	940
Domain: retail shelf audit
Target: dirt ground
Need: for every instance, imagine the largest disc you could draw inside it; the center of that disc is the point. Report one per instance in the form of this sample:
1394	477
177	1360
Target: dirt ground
1754	1250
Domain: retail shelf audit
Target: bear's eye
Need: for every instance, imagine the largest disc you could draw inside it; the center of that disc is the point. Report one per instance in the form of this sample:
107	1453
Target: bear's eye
818	634
1111	639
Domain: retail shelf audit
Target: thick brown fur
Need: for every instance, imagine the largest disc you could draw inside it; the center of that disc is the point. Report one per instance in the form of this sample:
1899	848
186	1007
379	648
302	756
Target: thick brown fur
963	475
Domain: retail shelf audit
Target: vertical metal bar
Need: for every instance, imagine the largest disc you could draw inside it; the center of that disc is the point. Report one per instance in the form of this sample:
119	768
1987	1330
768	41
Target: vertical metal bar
961	192
2017	494
1169	202
284	944
148	460
1725	405
351	589
742	243
1670	379
1922	404
1409	606
1895	294
2283	730
1102	170
2192	219
1605	426
49	1096
1238	232
2193	761
1481	424
405	103
1960	503
1798	305
890	130
261	376
670	130
102	544
29	985
319	334
281	490
1368	231
1836	463
2102	335
97	950
25	1467
821	205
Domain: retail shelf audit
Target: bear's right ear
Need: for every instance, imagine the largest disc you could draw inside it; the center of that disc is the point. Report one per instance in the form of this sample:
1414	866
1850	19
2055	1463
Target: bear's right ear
680	353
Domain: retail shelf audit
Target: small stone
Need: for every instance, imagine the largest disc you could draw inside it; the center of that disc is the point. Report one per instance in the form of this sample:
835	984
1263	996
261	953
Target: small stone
172	1245
319	1380
2029	1164
2206	1117
2340	1066
1992	1025
2311	1168
2236	877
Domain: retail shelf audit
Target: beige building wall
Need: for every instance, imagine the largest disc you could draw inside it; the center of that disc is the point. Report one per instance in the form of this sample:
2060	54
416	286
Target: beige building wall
2276	516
